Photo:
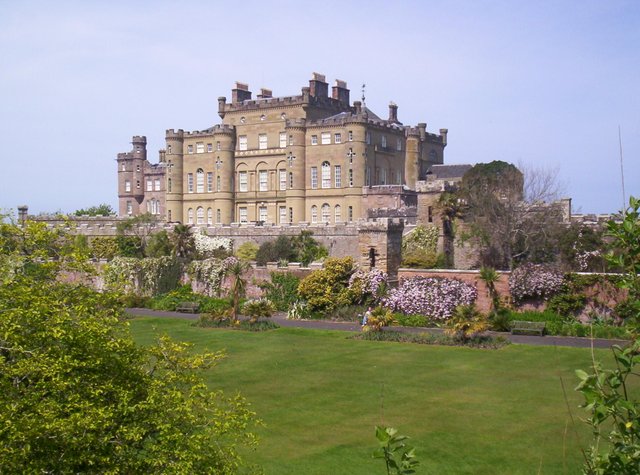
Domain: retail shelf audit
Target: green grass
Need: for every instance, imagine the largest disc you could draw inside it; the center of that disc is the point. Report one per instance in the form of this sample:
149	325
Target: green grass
467	411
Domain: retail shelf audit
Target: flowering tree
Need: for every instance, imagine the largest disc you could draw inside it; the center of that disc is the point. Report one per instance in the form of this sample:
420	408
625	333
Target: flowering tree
534	281
436	297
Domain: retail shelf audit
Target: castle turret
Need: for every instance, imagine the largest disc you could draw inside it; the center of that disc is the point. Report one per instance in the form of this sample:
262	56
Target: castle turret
130	176
224	165
296	169
174	156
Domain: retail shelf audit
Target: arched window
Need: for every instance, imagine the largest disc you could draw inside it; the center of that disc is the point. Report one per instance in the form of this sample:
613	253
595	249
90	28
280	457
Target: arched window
199	180
326	213
169	185
338	214
326	175
190	216
209	216
200	215
314	214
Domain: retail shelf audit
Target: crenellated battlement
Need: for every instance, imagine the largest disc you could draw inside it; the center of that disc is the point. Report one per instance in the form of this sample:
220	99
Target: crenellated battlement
174	134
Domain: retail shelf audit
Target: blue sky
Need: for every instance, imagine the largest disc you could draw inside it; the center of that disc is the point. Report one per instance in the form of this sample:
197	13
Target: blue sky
541	83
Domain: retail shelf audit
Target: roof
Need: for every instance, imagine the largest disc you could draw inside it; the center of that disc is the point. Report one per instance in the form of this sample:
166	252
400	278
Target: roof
449	171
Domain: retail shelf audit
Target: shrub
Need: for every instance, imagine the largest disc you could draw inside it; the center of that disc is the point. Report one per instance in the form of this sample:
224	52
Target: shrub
148	276
500	320
282	290
104	247
258	308
403	320
567	304
481	341
380	317
211	246
299	310
467	323
158	245
436	297
247	251
348	313
534	281
368	286
419	259
327	288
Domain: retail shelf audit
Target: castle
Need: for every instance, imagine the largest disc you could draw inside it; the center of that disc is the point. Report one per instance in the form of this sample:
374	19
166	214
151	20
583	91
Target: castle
308	158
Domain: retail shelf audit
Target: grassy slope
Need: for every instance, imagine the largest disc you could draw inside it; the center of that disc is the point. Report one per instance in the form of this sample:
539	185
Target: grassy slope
466	410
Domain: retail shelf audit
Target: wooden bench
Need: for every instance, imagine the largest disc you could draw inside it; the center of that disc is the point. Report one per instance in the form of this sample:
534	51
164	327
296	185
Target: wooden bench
526	328
188	307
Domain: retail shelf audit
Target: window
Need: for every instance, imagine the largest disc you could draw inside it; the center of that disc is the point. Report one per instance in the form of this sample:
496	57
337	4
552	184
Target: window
338	176
383	141
189	148
290	139
326	213
137	183
262	141
367	178
218	183
199	180
124	167
157	184
350	136
326	175
398	145
325	138
350	177
283	139
218	146
169	148
218	216
199	147
338	214
367	138
169	185
243	214
242	142
263	185
209	182
137	168
209	147
127	185
430	214
314	214
314	140
190	182
282	212
314	178
262	213
209	216
129	207
337	138
190	216
350	213
200	215
291	215
290	179
283	180
169	215
242	180
383	176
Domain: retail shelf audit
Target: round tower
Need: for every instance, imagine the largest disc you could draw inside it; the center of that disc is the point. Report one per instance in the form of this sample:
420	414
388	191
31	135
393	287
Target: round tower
174	162
412	158
295	155
224	169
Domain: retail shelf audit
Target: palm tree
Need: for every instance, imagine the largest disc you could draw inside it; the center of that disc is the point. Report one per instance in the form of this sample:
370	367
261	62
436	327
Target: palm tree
489	276
235	269
183	245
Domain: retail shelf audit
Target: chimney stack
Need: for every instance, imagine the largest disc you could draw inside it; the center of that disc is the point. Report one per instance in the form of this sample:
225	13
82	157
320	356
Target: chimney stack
393	113
443	134
23	212
265	93
358	107
340	92
422	128
240	93
317	86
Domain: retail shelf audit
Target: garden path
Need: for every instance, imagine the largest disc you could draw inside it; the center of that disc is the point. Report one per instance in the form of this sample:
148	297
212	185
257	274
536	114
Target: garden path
280	319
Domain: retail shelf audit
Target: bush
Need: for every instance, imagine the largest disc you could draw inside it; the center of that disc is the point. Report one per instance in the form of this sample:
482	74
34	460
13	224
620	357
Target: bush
247	251
467	323
500	320
299	310
104	247
403	320
379	318
258	308
348	313
436	297
170	300
419	259
134	301
534	281
327	288
282	290
567	304
368	286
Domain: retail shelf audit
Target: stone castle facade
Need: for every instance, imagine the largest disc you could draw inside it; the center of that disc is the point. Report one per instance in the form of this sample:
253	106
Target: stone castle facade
309	158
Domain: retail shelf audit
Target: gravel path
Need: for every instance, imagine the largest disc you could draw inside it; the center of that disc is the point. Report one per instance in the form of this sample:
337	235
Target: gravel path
280	318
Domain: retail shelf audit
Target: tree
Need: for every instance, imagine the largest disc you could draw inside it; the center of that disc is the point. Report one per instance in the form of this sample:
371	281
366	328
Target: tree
77	395
614	410
235	268
182	241
159	244
140	227
101	210
511	217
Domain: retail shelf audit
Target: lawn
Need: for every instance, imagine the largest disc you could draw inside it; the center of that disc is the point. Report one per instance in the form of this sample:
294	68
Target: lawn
466	410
